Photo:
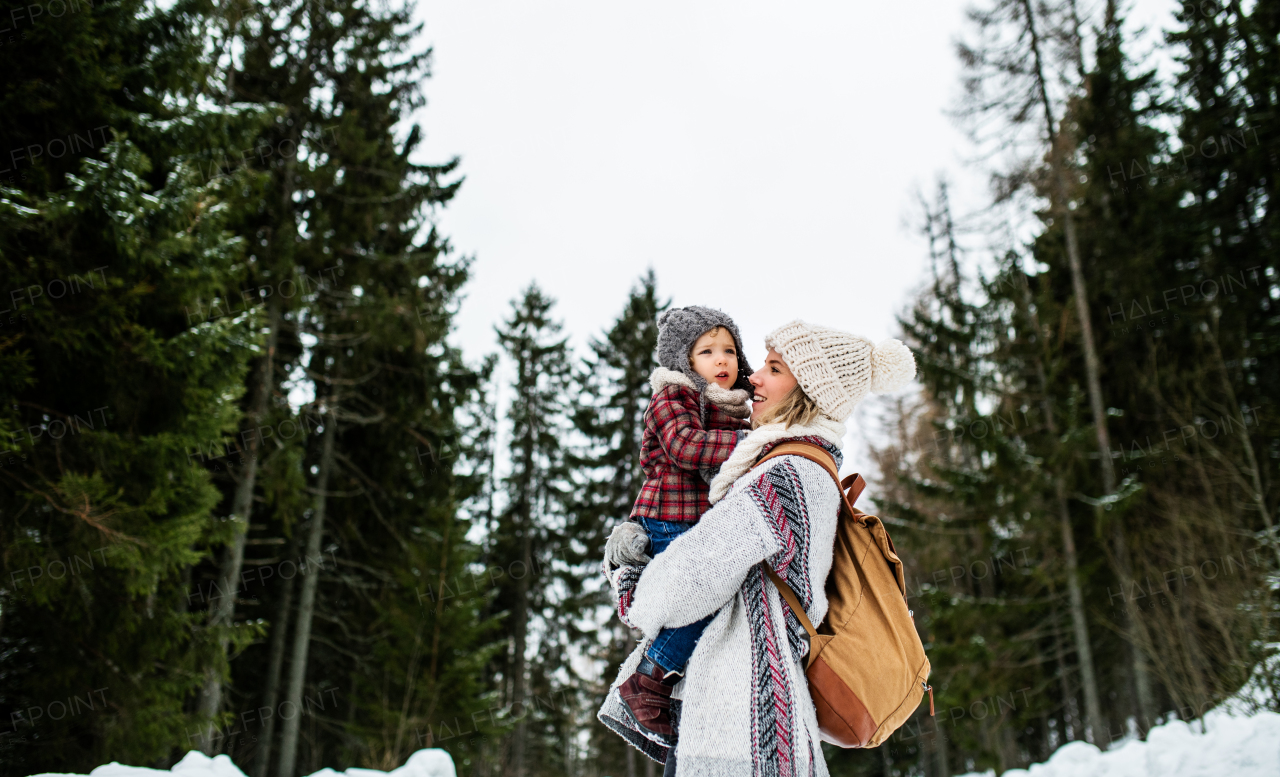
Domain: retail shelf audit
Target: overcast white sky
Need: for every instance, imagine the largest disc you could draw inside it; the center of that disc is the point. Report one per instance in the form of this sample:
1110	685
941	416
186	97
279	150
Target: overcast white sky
761	156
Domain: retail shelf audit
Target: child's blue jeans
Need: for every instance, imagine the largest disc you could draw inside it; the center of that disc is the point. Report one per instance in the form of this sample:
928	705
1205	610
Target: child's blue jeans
672	647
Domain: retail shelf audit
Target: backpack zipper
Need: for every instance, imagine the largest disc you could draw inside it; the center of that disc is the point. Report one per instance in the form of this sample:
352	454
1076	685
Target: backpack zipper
929	688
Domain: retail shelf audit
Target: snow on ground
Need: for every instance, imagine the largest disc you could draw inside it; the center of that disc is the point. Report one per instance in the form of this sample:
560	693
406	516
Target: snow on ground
1239	739
1234	747
424	763
1237	742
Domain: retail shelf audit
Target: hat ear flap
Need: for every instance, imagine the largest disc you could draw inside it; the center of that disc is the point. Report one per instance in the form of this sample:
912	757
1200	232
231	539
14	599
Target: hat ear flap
744	367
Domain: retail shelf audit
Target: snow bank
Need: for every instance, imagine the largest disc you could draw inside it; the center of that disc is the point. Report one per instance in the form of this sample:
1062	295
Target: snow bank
424	763
1232	745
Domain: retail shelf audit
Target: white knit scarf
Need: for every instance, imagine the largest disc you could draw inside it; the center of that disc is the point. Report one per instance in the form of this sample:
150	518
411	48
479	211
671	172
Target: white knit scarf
745	454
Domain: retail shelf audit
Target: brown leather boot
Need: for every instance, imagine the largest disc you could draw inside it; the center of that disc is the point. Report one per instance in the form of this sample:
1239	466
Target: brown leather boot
647	693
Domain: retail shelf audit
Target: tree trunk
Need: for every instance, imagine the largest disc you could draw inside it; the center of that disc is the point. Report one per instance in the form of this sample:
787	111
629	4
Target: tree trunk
1075	596
942	761
228	582
521	628
1008	754
1124	562
1069	721
1060	202
1257	493
271	696
1094	726
433	673
924	750
306	604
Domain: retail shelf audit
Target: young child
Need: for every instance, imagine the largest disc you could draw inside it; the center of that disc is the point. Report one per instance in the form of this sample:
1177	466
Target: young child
698	413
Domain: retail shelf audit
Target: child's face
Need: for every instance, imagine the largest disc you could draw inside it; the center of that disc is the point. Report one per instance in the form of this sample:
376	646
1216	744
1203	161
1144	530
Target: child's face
715	357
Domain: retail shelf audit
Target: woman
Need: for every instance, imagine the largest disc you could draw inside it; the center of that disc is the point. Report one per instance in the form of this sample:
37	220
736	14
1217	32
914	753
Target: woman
744	703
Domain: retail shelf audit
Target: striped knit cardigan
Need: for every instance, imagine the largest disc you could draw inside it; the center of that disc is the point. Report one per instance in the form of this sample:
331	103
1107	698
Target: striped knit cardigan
745	705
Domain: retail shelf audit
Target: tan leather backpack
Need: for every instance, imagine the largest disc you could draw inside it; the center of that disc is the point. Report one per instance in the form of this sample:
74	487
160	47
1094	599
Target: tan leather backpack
867	669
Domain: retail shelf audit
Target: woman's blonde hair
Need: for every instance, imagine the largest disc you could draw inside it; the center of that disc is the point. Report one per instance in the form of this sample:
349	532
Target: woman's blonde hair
795	409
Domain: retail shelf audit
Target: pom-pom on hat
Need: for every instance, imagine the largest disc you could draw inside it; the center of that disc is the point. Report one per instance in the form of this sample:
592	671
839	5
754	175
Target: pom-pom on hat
837	369
680	328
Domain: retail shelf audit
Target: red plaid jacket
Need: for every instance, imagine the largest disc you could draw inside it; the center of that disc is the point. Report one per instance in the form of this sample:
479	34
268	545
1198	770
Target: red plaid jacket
675	447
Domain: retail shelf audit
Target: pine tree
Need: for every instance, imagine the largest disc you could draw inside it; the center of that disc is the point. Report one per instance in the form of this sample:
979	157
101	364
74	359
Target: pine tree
112	234
612	396
1131	247
531	539
1228	90
364	645
1027	68
1145	215
958	486
1205	351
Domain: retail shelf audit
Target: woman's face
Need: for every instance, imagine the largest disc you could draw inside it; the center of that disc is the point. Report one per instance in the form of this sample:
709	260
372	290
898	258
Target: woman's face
772	382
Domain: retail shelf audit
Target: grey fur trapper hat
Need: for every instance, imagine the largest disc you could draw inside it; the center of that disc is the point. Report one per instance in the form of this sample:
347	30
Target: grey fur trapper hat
680	328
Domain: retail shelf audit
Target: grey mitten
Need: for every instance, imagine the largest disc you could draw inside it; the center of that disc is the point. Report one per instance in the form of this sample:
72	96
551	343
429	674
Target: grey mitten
626	547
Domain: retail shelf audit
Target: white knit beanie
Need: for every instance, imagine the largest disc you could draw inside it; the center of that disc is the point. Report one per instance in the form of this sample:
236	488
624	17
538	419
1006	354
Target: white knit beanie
837	369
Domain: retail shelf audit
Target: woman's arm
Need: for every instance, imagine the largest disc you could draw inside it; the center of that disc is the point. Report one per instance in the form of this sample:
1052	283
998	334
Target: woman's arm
703	569
688	444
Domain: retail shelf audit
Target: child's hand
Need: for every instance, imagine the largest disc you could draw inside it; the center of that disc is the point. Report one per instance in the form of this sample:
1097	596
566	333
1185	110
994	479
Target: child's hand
626	547
624	561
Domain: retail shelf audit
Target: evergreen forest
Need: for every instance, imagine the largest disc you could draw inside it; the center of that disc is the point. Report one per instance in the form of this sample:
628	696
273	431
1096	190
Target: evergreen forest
253	502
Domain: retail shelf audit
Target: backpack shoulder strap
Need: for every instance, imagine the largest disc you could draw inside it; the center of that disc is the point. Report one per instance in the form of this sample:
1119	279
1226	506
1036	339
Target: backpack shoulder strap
805	450
854	483
850	489
791	598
